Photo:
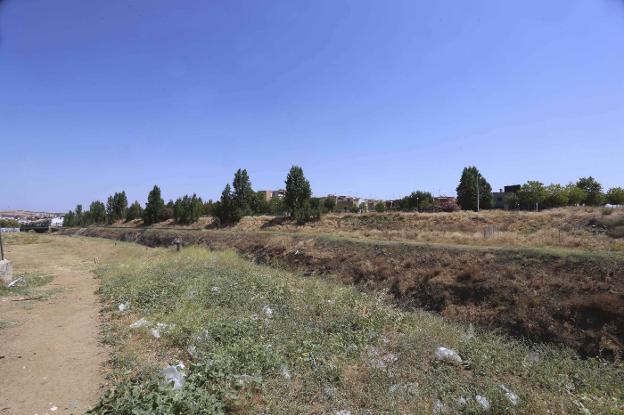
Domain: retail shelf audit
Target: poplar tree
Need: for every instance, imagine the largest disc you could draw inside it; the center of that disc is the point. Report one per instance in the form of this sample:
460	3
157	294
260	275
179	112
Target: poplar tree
154	207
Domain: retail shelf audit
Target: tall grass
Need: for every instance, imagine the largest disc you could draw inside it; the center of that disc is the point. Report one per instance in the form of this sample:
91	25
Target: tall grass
258	340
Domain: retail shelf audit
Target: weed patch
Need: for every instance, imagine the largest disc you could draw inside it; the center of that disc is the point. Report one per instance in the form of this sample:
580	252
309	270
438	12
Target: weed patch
260	340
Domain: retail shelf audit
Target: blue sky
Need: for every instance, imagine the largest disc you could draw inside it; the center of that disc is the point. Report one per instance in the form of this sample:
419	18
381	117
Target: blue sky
371	98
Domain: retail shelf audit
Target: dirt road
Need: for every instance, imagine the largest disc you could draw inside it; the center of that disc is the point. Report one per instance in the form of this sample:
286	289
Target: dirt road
50	356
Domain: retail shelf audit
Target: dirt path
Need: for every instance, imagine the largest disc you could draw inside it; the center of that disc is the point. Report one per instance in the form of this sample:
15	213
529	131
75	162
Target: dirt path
51	360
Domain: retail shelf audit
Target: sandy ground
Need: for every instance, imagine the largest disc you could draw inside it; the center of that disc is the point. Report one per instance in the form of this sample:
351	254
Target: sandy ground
51	361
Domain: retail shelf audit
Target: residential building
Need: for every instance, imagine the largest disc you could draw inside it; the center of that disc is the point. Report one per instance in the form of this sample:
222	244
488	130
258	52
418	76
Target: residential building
271	194
500	197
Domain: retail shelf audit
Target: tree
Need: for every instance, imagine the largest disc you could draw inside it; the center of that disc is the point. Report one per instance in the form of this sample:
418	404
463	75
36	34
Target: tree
116	207
260	204
134	212
187	209
110	209
592	189
556	196
380	207
615	196
467	190
329	203
298	193
224	208
532	194
512	201
243	196
121	205
97	212
79	219
417	201
576	195
154	207
69	219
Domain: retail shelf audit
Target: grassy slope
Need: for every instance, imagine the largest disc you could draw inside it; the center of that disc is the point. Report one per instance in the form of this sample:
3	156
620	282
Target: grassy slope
325	348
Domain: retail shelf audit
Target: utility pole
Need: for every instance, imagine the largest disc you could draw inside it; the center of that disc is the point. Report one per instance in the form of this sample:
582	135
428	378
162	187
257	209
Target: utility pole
1	247
478	192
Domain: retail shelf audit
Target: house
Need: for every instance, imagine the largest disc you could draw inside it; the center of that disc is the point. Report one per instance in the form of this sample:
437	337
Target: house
349	203
268	195
500	197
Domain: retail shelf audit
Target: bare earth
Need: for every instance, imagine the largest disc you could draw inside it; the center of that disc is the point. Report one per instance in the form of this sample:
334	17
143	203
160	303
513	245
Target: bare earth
50	358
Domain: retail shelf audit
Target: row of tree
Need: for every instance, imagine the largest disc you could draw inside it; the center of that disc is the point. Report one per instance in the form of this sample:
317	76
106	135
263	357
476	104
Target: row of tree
240	199
534	194
237	201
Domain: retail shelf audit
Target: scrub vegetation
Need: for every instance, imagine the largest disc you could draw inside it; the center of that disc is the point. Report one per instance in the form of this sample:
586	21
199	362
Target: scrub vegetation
254	339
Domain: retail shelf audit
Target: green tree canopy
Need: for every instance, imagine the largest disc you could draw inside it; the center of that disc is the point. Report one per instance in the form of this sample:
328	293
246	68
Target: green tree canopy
188	209
329	203
467	190
532	194
134	212
576	195
97	212
154	207
69	219
298	193
417	201
243	196
592	189
615	196
224	208
556	196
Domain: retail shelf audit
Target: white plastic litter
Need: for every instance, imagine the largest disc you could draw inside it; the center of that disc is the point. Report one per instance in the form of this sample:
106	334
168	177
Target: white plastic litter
469	334
447	355
246	379
140	323
511	396
156	330
174	374
192	350
343	412
54	408
409	388
124	306
285	373
17	281
268	311
439	407
215	290
483	402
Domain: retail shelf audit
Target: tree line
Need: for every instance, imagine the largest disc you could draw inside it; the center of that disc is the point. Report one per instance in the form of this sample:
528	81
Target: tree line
534	195
237	200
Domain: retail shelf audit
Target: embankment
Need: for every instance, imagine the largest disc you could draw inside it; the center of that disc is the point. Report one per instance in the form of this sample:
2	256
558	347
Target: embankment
552	296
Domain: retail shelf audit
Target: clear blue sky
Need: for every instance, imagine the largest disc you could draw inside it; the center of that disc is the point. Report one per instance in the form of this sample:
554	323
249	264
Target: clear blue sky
371	98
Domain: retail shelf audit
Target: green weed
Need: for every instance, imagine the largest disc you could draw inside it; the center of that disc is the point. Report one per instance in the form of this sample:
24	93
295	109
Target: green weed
260	340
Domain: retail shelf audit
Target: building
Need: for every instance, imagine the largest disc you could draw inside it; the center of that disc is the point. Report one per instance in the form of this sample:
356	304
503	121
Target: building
501	197
268	195
349	203
393	204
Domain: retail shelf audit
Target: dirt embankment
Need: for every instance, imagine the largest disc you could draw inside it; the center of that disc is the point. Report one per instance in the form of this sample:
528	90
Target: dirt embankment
574	299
